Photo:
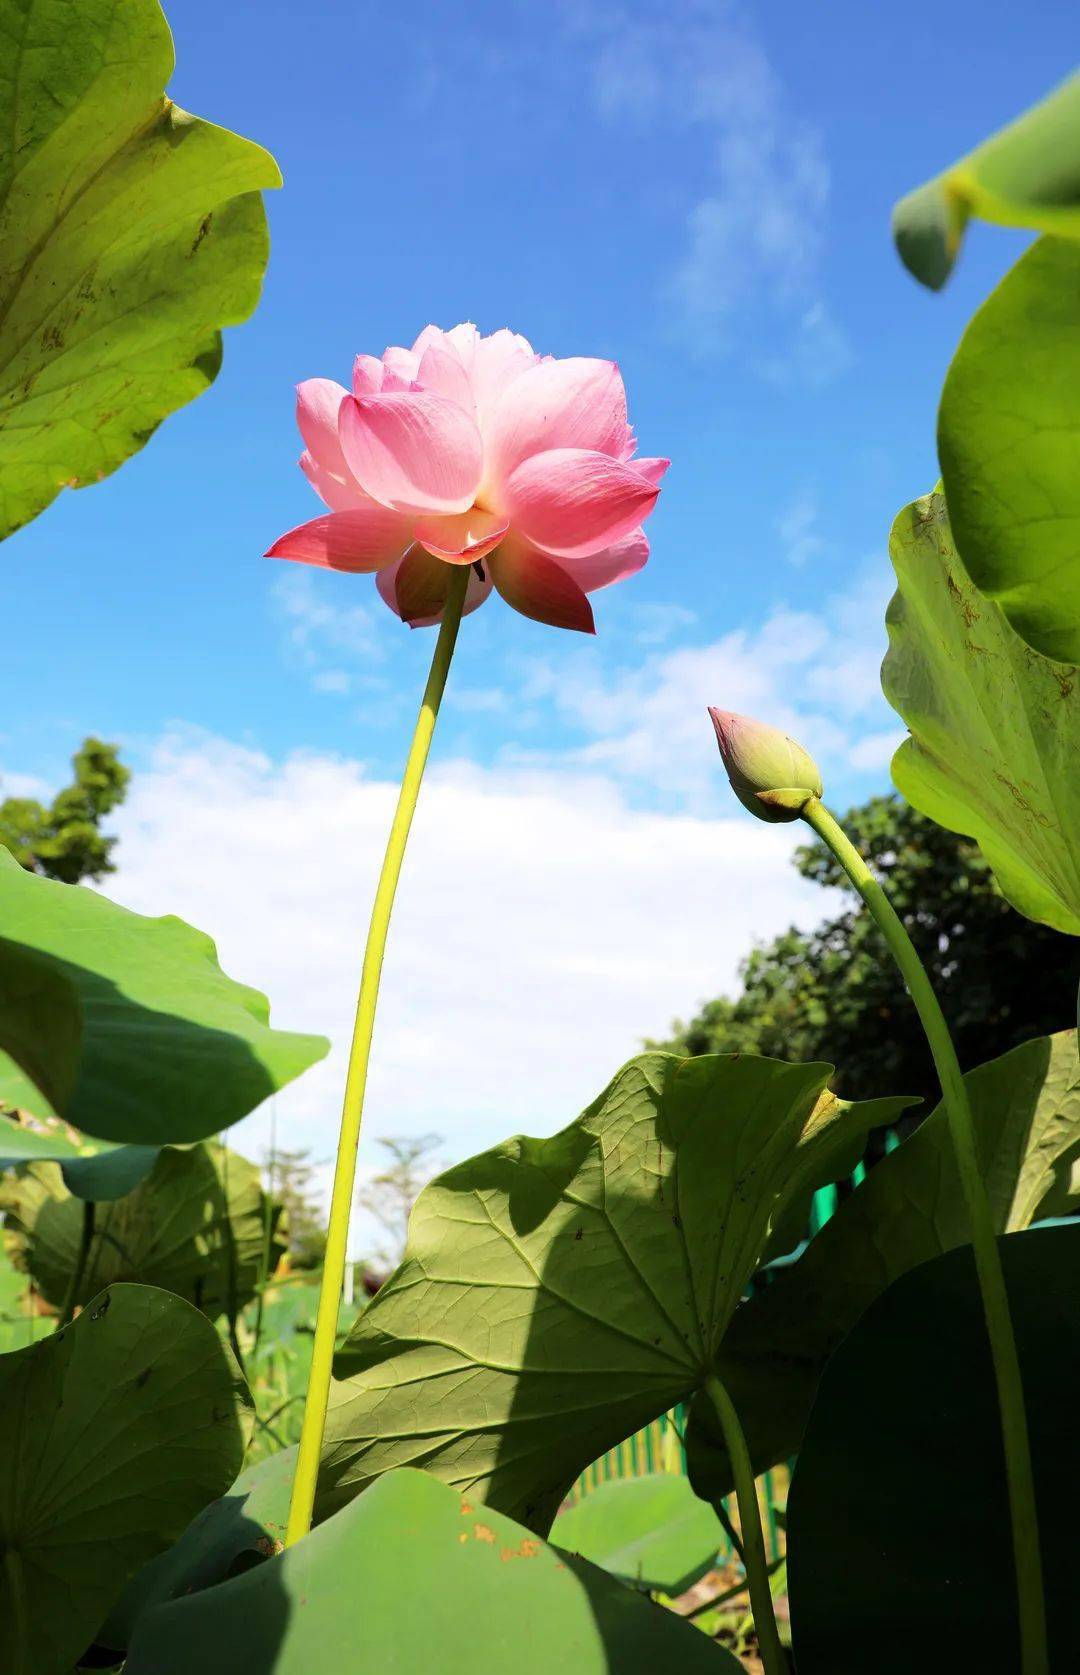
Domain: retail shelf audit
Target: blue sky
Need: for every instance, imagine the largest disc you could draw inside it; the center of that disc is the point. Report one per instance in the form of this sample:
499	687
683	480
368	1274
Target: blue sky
700	191
540	166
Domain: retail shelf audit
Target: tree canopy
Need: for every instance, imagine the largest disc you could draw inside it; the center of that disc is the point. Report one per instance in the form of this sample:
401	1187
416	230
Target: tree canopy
832	993
64	840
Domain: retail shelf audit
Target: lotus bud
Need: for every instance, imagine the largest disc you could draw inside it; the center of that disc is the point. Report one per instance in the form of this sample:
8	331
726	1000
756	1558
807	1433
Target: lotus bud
770	774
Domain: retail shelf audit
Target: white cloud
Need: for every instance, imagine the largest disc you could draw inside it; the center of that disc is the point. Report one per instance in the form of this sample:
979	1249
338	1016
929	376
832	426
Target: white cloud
754	237
543	925
876	750
337	681
655	622
760	227
848	679
797	529
817	351
320	627
23	785
555	908
813	673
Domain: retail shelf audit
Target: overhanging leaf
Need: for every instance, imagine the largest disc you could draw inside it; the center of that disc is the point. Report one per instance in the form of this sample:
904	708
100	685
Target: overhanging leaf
447	1584
231	1534
880	1558
129	231
1028	175
195	1226
558	1294
116	1431
909	1210
171	1049
651	1531
1009	445
995	728
91	1168
40	1031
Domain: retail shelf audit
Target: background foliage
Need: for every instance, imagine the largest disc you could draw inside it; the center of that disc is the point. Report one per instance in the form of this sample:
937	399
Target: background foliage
64	840
828	993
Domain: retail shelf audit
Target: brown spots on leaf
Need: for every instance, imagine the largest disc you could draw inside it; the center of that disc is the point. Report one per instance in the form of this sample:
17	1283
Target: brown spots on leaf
525	1549
269	1548
483	1532
52	340
962	603
1066	679
1021	801
465	1509
204	228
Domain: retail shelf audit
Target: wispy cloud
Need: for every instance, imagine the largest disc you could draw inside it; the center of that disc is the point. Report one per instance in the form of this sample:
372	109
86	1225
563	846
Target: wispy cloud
22	785
321	632
798	531
753	242
814	673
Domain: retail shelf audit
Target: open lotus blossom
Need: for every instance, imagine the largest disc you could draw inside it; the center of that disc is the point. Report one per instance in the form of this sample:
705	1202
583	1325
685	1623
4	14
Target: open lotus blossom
475	450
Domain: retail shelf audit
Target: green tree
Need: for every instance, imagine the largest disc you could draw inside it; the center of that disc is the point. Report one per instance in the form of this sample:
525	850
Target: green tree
291	1181
391	1194
65	840
833	994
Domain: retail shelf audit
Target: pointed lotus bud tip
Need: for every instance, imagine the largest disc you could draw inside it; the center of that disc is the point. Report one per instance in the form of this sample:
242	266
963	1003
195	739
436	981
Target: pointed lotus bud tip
770	774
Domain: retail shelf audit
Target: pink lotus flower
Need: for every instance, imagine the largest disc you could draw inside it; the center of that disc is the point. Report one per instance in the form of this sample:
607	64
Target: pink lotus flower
475	450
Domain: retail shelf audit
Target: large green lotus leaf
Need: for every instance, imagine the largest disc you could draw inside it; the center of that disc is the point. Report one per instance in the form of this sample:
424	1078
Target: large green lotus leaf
20	1094
40	1029
248	1522
1028	175
1009	445
556	1295
899	1546
171	1049
229	1535
412	1577
651	1531
129	233
195	1226
909	1210
116	1431
91	1168
995	727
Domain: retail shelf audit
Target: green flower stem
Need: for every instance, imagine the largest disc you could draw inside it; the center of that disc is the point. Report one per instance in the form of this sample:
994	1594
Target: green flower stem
1025	1526
67	1313
333	1275
773	1658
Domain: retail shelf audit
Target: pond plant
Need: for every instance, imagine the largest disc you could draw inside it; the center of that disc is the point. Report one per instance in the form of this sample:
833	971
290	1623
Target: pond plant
556	1295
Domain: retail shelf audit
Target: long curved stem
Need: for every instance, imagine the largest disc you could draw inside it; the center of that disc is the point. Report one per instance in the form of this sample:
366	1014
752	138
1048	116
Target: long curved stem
999	1326
773	1658
318	1390
78	1273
